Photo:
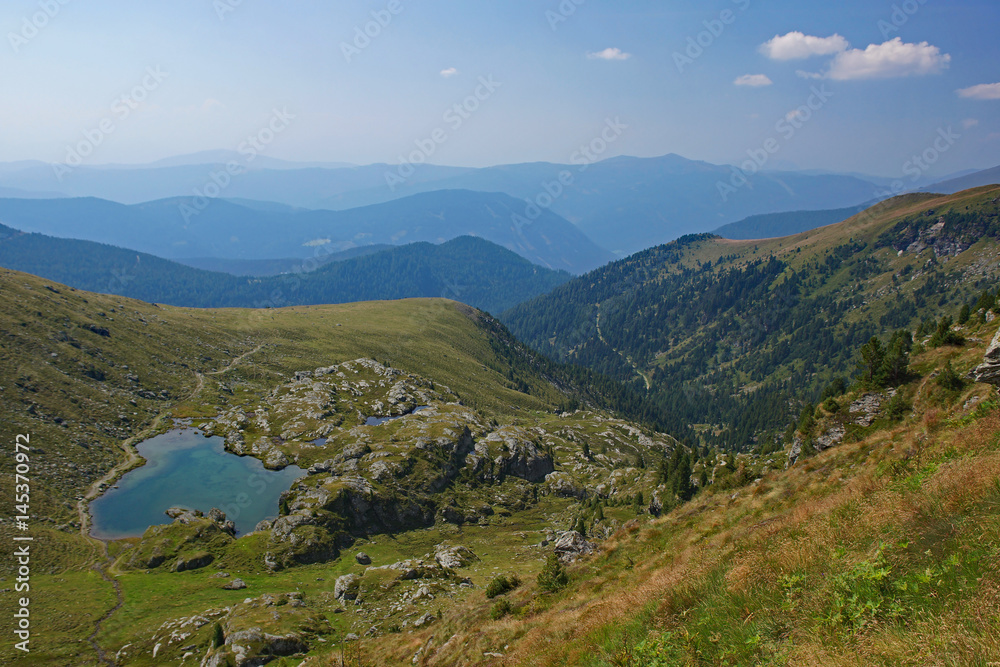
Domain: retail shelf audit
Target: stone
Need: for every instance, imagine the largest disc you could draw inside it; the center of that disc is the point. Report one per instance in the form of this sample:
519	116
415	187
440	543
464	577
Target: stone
193	562
235	585
988	372
347	587
572	545
363	558
454	557
426	619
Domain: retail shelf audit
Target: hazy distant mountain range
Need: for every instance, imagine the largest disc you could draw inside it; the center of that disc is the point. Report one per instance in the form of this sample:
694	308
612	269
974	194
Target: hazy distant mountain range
176	229
623	204
471	270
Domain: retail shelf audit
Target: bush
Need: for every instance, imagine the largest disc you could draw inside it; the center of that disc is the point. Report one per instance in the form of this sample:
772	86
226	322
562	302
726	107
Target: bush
553	577
897	408
944	335
950	380
501	608
502	583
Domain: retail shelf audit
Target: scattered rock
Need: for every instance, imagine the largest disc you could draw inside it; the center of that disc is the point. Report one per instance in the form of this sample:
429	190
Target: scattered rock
235	585
426	619
363	558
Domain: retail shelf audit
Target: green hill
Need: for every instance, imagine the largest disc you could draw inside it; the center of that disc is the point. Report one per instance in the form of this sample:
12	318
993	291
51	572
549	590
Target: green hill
733	337
466	269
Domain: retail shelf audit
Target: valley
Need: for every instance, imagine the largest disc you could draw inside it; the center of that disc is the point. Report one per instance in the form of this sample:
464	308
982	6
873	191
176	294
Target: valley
442	461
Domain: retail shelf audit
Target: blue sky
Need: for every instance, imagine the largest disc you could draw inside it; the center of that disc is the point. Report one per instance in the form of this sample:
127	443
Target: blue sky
563	68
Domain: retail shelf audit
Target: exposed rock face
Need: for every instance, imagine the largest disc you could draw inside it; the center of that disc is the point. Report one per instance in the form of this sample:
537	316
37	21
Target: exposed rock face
193	562
867	408
571	545
519	456
454	557
988	372
347	587
253	647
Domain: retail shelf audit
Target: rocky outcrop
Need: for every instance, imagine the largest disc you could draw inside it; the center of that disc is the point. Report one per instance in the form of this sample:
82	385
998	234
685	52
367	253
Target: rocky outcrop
988	372
254	647
513	452
347	587
454	557
194	561
868	406
572	545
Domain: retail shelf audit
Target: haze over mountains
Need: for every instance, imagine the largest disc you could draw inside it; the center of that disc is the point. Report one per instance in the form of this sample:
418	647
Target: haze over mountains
466	269
657	199
175	228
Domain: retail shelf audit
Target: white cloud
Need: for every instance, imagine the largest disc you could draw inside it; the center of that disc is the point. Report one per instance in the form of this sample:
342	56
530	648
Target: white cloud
797	45
451	71
969	123
609	54
793	114
887	60
984	91
753	80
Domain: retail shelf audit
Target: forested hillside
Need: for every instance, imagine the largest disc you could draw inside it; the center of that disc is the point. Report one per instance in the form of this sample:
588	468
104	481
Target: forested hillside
471	270
732	338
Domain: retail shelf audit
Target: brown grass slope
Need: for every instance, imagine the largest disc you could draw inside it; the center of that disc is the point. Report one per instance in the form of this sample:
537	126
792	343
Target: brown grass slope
883	551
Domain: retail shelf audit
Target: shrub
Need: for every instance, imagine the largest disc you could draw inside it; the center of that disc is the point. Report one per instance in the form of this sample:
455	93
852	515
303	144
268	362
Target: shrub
944	335
502	583
500	608
897	408
553	577
950	380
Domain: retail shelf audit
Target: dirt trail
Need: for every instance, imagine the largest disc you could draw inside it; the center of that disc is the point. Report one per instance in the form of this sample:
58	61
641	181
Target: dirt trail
635	367
92	639
103	563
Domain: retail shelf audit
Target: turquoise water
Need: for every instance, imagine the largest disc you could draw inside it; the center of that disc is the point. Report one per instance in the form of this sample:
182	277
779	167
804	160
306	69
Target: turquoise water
185	469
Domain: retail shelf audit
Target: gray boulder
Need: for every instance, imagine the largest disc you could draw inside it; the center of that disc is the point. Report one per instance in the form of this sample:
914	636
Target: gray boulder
454	557
347	587
988	372
235	585
363	558
571	545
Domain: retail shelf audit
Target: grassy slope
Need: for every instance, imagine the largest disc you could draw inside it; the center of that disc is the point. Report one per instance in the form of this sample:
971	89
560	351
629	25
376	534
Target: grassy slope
54	366
883	551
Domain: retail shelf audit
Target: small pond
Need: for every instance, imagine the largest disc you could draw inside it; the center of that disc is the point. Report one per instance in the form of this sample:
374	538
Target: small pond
185	469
